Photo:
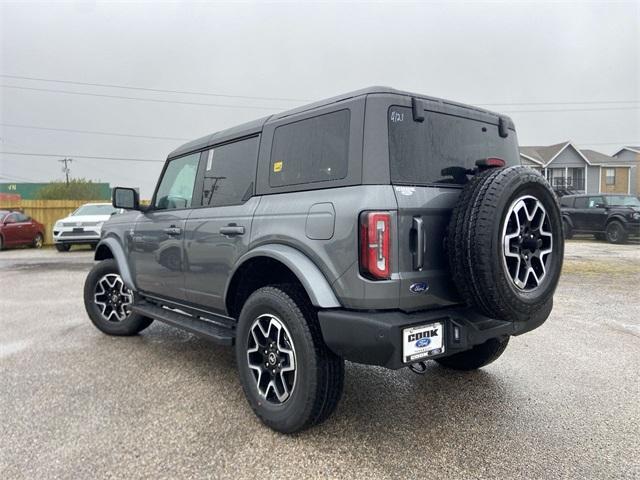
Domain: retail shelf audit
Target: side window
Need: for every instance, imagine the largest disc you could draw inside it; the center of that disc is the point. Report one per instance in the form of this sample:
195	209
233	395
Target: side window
566	202
594	201
311	150
230	172
21	217
176	186
11	218
581	202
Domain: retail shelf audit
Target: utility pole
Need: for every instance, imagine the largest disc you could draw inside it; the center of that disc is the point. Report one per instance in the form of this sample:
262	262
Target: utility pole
66	169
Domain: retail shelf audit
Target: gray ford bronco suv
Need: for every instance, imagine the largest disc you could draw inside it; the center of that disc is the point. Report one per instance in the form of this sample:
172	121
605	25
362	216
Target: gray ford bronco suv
380	227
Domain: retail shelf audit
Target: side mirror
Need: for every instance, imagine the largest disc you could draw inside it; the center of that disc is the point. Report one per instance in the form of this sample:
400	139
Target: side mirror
127	198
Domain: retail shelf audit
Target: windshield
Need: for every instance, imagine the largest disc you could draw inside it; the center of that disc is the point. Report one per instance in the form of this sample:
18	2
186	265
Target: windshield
623	200
104	209
419	152
2	215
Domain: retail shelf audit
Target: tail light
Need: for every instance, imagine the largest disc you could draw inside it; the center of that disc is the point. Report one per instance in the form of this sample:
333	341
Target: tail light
375	236
490	162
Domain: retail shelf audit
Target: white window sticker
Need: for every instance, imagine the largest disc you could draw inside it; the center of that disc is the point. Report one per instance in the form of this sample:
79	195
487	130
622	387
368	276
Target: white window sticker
210	160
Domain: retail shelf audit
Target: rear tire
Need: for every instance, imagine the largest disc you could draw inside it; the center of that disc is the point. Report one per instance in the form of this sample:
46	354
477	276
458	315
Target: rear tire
286	400
63	247
106	301
478	357
616	233
1	244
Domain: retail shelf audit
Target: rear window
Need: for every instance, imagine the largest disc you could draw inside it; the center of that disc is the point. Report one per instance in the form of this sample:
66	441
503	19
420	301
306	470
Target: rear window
419	152
229	173
311	150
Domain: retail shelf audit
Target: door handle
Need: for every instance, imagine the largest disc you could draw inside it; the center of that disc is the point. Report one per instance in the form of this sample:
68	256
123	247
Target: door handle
232	230
418	254
173	231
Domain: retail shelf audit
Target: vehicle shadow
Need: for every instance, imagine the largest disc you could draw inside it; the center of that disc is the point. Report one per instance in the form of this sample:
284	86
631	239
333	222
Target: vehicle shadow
374	400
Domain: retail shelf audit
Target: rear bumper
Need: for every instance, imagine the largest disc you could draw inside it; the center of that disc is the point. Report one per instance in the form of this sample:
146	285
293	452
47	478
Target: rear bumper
375	338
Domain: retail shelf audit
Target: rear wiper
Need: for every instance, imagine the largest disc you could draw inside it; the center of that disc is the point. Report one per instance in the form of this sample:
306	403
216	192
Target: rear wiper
460	174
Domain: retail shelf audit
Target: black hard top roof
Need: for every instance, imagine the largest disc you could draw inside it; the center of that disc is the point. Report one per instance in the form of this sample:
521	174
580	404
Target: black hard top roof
255	126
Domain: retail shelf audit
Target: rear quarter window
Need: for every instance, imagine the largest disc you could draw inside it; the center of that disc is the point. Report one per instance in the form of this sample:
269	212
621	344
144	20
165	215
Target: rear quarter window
312	150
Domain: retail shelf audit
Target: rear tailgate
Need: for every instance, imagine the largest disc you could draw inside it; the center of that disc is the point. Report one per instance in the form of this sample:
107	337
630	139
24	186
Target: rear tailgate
423	213
432	155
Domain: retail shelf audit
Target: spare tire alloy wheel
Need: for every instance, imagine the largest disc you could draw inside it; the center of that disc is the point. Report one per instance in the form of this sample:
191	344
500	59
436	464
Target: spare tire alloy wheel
272	359
112	298
527	244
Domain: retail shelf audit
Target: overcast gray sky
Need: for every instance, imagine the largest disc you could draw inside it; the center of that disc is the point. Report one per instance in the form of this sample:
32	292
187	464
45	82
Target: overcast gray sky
577	64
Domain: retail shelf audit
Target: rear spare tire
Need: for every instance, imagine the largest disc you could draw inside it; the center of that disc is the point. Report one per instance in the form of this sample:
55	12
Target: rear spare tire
505	244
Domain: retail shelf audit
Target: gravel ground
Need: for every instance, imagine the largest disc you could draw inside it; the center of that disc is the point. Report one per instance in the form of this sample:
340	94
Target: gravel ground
562	402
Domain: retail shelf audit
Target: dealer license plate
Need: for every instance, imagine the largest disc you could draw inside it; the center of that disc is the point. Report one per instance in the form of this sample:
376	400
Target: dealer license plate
422	341
78	230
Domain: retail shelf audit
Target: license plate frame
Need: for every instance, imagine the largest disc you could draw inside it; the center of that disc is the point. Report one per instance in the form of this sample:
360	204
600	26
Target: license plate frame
422	341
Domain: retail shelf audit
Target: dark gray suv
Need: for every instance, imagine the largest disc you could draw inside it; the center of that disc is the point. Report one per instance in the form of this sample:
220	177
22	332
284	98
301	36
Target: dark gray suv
380	227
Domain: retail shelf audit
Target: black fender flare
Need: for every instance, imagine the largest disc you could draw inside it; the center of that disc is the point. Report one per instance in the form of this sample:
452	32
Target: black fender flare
567	218
312	279
112	245
617	217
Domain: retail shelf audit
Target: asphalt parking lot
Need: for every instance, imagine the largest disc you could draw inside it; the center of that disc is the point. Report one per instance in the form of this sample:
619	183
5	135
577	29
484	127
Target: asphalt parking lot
562	402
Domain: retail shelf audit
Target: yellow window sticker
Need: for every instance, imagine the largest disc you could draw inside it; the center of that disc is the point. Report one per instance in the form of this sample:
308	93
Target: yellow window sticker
277	166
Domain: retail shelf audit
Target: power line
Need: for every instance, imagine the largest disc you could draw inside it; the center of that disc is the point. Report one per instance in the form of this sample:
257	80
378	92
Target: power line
158	90
248	97
589	102
571	110
271	108
17	177
191	92
155	100
609	143
92	157
92	132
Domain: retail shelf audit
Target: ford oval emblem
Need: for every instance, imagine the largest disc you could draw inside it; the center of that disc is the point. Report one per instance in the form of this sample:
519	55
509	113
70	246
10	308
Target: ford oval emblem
423	342
419	287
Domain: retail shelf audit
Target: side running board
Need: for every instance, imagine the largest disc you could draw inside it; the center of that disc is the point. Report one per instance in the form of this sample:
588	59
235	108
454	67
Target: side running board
223	334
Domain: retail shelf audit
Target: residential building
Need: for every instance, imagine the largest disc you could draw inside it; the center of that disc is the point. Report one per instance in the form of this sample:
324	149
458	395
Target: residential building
567	168
631	156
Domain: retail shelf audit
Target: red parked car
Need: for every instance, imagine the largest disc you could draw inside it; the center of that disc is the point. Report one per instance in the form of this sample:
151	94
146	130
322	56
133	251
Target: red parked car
18	229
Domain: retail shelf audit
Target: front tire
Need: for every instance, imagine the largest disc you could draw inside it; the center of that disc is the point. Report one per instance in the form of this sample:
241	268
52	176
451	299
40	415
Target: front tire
478	357
567	230
616	233
291	379
107	301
